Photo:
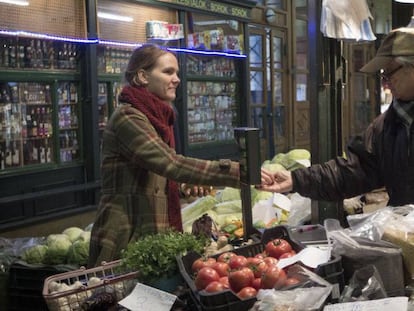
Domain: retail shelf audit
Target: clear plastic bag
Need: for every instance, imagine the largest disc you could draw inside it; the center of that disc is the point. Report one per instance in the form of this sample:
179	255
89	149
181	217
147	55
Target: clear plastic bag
311	293
358	252
12	249
365	284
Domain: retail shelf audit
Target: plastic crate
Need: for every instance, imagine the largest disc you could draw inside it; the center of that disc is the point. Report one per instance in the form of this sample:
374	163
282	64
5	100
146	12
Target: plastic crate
228	300
25	285
225	300
114	280
314	235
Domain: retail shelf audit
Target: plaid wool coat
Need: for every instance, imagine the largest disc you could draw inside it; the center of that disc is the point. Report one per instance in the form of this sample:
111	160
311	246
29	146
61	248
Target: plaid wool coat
136	164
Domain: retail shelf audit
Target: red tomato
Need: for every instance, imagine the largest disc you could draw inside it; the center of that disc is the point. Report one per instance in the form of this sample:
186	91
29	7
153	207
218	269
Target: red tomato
270	261
247	292
292	281
288	254
205	276
222	268
257	283
257	265
240	278
215	286
273	277
277	247
225	281
237	262
202	262
260	255
225	257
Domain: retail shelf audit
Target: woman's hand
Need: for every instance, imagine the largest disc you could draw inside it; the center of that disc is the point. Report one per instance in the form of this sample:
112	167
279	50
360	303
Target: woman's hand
188	190
281	182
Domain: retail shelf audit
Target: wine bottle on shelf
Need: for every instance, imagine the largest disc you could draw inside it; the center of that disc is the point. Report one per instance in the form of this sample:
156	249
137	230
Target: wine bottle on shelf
21	55
35	152
42	151
48	123
5	53
24	127
29	125
73	93
15	154
27	151
14	94
39	54
34	128
47	94
2	157
40	127
51	56
8	159
45	54
12	54
48	152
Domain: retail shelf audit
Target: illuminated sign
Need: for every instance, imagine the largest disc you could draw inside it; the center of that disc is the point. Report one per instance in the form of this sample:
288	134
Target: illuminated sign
215	7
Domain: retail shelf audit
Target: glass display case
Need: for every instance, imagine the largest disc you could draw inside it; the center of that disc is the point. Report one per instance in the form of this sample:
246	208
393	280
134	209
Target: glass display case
68	121
212	85
108	92
211	105
26	124
39	110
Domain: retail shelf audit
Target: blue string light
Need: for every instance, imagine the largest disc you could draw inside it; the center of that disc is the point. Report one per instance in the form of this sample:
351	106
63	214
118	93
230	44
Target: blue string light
235	54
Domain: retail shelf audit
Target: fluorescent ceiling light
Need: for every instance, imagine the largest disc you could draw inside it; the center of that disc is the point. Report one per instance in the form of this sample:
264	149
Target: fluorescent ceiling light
405	1
114	17
16	2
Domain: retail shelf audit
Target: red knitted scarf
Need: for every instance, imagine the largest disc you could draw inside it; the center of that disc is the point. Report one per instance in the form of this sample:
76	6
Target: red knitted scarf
161	115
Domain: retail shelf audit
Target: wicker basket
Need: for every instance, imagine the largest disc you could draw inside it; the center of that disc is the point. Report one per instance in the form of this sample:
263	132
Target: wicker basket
113	279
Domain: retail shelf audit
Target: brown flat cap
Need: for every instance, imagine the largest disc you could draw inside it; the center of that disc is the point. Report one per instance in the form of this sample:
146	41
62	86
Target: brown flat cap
399	42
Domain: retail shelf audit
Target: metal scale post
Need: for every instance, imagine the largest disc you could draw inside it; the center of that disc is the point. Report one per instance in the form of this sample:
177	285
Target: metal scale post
249	146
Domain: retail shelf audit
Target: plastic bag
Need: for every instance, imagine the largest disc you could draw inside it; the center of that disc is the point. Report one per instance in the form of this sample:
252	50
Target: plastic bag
400	231
357	252
370	225
365	284
392	224
310	294
12	249
300	210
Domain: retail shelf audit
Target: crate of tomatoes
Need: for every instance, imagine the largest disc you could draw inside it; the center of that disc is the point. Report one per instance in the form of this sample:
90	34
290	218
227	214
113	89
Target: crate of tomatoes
231	280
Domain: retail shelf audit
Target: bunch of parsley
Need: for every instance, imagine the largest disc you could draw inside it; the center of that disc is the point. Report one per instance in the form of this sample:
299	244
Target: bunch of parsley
154	255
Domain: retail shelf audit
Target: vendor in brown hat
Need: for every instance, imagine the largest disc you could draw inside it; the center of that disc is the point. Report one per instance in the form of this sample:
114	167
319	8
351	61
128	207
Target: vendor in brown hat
381	156
395	57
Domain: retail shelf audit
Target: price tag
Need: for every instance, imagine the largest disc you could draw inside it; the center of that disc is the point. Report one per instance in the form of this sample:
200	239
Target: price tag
148	298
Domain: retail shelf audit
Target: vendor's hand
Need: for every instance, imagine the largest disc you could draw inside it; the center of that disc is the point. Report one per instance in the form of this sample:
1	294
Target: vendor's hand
195	191
282	182
266	177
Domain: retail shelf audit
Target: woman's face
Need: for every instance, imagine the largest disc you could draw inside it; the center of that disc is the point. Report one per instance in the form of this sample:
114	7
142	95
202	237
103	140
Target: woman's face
163	79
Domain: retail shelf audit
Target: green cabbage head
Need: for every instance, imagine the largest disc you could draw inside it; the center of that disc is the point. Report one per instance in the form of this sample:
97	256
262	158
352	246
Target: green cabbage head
78	253
35	254
73	233
58	247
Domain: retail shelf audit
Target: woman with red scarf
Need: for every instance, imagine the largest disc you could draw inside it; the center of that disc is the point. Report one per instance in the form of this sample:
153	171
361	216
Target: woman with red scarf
140	168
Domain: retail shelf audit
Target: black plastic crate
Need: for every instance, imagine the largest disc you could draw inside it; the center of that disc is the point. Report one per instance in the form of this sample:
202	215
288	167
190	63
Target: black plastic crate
313	235
227	300
25	285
